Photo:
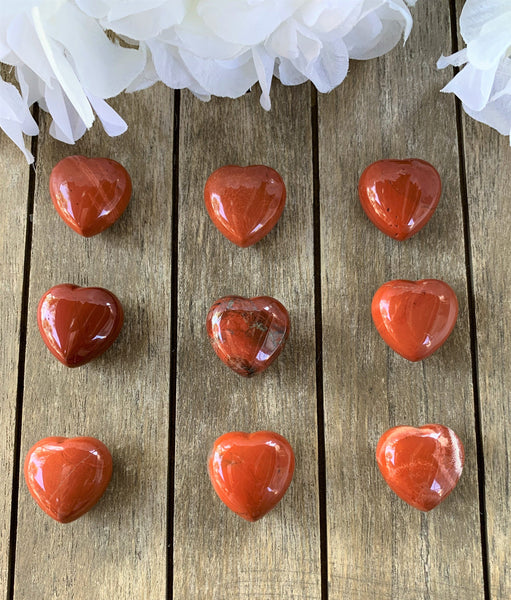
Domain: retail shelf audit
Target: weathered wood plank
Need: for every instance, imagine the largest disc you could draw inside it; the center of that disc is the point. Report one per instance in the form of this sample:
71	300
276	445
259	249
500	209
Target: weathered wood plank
14	186
118	550
217	554
379	547
487	159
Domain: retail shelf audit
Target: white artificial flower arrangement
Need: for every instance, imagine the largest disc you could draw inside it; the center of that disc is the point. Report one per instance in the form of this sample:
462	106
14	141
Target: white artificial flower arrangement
64	60
484	83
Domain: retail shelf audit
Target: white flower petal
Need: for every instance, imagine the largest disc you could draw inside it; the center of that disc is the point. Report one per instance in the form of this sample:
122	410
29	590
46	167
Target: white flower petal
171	69
379	31
492	44
112	122
229	79
103	68
484	84
472	86
63	72
94	8
456	60
309	48
24	43
264	65
193	35
502	84
245	22
10	102
15	119
122	9
289	74
64	122
148	76
495	114
141	20
284	41
330	15
32	87
476	13
331	68
15	132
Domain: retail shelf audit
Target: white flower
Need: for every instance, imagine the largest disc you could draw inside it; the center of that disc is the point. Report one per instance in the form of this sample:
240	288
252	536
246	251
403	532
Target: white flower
484	83
64	60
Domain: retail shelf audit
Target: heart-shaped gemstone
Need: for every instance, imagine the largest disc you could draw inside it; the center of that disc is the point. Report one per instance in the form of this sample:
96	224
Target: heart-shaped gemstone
251	471
78	324
67	476
247	333
244	203
415	317
90	194
421	465
400	196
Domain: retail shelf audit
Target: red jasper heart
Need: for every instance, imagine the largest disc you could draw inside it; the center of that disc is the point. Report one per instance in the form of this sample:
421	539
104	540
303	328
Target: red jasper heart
415	317
247	333
422	466
251	472
400	196
67	476
78	324
90	194
244	203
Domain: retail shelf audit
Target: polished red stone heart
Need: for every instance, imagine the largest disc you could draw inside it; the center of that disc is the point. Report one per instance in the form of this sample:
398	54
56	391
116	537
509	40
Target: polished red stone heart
415	317
247	333
244	203
400	196
422	466
251	472
78	324
67	476
90	194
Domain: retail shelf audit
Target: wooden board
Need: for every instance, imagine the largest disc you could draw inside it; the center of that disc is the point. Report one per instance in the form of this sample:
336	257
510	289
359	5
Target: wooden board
486	167
14	186
218	555
118	550
379	547
160	531
487	159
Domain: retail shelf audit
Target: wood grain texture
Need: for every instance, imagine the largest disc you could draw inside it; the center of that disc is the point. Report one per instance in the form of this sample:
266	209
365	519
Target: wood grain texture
217	555
118	550
487	157
14	186
487	160
379	547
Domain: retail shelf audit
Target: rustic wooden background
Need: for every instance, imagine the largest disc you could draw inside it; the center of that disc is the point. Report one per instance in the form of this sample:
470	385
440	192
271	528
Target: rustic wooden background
160	397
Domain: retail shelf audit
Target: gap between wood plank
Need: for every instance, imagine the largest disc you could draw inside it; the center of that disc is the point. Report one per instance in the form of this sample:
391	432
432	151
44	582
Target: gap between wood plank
173	348
319	345
21	364
472	317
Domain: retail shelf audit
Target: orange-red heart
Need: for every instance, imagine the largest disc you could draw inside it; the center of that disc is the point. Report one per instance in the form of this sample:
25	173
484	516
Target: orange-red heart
90	194
251	472
415	317
244	203
67	476
247	333
421	465
400	196
78	324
